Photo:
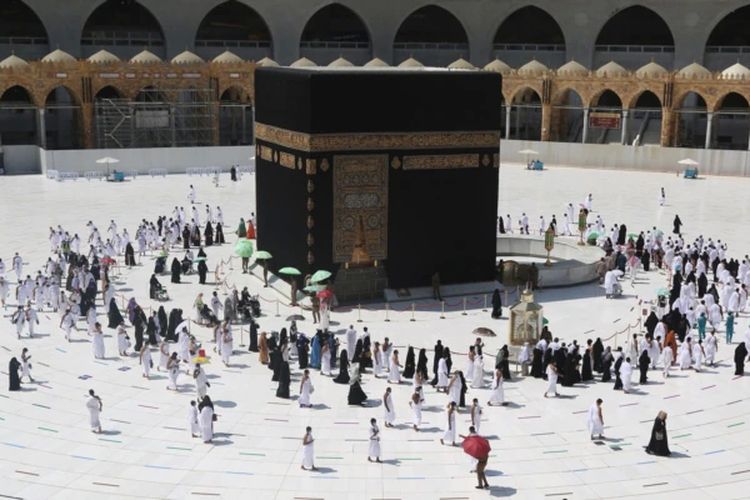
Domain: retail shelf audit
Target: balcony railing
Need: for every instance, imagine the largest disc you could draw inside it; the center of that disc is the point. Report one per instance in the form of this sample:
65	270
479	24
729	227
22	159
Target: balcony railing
431	46
244	44
667	49
530	47
728	49
334	45
23	40
123	38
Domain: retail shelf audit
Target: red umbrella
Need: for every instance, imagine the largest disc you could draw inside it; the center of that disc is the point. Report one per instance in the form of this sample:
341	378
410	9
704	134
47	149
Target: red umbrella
325	294
476	446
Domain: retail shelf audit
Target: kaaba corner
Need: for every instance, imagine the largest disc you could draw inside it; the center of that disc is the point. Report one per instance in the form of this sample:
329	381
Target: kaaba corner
384	177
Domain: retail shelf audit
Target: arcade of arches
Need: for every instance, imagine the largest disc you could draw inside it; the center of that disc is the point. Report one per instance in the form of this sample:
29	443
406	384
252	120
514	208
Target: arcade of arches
54	104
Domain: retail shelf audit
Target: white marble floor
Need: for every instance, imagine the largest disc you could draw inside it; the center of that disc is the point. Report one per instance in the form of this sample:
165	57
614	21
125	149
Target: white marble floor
540	446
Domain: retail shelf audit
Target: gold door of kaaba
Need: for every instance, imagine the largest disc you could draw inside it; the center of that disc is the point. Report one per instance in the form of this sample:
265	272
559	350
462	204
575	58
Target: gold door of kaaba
360	190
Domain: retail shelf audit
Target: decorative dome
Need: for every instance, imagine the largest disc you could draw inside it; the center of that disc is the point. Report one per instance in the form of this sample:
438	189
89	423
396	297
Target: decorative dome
572	68
411	63
145	57
58	56
376	63
13	61
341	63
267	62
694	70
227	57
186	57
103	57
651	70
611	69
461	63
735	72
497	66
303	62
532	67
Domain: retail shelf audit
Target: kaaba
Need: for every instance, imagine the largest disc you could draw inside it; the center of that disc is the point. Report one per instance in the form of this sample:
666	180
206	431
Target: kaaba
389	172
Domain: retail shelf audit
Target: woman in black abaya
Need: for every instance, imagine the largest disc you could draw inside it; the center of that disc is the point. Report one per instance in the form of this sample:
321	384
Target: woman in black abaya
343	376
409	364
176	270
114	318
356	395
282	391
422	364
14	379
659	445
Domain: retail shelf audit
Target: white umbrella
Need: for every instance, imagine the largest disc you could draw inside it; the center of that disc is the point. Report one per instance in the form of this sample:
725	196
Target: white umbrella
107	160
528	152
689	162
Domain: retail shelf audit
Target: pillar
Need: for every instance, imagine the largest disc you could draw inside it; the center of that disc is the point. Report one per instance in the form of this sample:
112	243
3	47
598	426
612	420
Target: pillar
709	127
508	108
546	121
585	133
215	124
87	131
624	126
667	126
173	124
41	128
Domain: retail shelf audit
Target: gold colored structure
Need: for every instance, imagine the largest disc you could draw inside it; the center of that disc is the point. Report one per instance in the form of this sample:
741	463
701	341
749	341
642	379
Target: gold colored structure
526	319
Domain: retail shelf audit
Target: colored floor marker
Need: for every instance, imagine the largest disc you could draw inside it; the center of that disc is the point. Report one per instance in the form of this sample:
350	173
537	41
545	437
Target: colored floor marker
529	416
120	421
179	448
555	451
655	484
149	407
110	440
681	436
174	428
693	412
734	402
152	466
558	494
249	454
714	452
276	419
27	473
111	485
672	396
240	473
81	457
708	387
42	364
41	406
739	472
47	429
123	368
14	445
735	425
60	349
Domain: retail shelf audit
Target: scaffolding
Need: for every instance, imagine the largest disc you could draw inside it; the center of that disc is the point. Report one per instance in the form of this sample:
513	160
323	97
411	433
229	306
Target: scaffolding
157	118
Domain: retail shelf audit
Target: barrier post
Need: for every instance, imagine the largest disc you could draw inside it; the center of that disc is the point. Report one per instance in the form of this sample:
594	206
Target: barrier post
277	309
442	309
413	307
387	308
464	313
485	303
359	313
242	337
507	304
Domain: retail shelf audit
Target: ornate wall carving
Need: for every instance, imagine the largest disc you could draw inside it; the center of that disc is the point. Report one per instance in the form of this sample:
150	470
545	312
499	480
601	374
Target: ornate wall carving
432	162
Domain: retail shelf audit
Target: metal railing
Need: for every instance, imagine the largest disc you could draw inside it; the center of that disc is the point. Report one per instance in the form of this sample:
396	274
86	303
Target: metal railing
667	49
317	44
546	47
728	49
23	40
123	38
431	46
243	44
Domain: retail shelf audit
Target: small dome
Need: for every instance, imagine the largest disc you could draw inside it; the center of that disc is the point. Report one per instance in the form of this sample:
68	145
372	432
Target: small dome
303	62
376	63
694	70
651	70
497	66
145	57
572	68
611	69
58	56
411	63
341	63
461	63
13	61
532	67
103	57
227	57
186	57
267	62
735	72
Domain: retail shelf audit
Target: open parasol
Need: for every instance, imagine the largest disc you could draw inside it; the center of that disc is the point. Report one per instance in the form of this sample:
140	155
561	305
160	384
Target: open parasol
688	162
290	271
201	358
314	288
485	332
320	275
263	255
476	447
662	292
244	248
107	160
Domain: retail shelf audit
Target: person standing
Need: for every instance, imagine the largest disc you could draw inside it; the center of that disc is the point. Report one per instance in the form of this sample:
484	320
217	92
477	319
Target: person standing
194	424
374	451
450	431
476	414
25	365
551	379
662	197
191	194
14	381
497	397
19	319
97	341
31	318
94	406
712	347
416	407
390	411
481	465
305	389
173	369
394	375
659	445
497	305
740	353
308	451
596	420
206	409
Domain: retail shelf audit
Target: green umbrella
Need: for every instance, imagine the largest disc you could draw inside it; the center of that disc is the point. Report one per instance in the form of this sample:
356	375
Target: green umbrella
200	259
633	235
244	248
662	292
290	271
319	276
545	321
314	288
262	255
593	235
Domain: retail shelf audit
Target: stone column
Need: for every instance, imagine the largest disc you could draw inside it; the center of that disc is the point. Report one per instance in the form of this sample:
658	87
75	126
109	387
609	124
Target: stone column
624	125
585	133
173	124
87	131
667	127
709	127
508	109
546	121
41	128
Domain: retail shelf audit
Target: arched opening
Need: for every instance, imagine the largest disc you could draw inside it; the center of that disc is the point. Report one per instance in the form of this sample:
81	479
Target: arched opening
567	117
62	120
632	37
729	41
123	27
691	122
335	31
153	122
236	27
21	31
112	123
432	35
526	115
516	44
18	117
235	118
108	92
644	120
605	119
731	123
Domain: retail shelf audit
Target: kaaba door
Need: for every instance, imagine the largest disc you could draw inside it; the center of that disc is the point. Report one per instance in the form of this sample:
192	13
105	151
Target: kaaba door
360	189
